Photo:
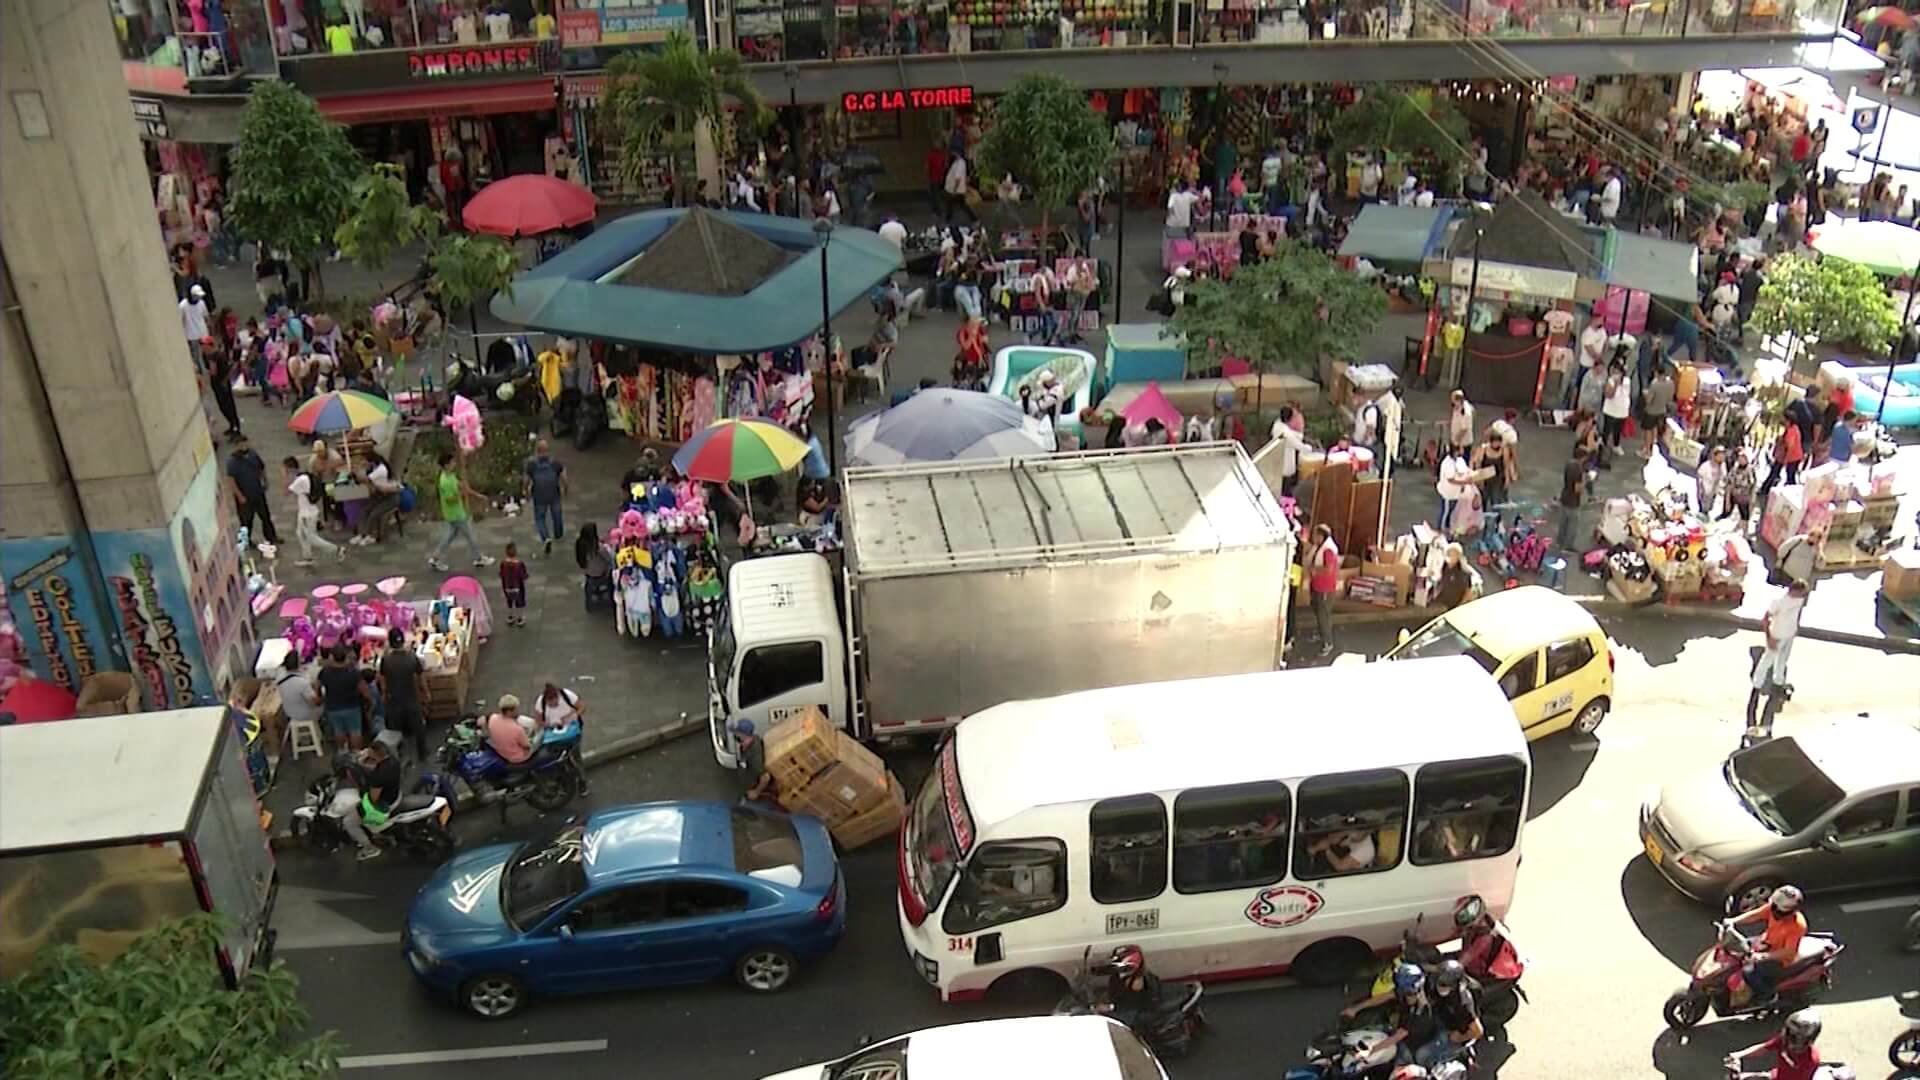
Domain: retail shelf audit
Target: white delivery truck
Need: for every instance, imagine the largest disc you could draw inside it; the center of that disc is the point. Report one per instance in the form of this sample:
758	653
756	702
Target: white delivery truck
112	825
967	584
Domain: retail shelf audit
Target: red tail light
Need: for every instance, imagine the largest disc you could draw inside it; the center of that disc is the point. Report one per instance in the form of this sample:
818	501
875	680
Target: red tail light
910	905
823	912
1609	661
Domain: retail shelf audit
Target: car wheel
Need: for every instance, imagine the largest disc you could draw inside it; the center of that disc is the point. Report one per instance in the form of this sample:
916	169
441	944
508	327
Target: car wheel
1683	1010
1029	987
493	997
1589	719
1331	962
766	969
1751	894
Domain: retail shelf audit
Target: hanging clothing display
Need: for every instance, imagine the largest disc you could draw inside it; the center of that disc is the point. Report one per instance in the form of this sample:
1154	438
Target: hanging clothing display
665	559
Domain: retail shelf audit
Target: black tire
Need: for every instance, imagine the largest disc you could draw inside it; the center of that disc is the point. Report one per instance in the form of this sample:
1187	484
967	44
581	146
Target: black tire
1029	988
1904	1053
494	996
552	789
1913	928
1684	1010
432	844
766	969
1331	962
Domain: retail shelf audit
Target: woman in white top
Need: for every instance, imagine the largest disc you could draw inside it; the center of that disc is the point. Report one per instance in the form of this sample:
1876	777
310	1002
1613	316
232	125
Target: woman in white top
383	497
307	515
1616	405
1457	492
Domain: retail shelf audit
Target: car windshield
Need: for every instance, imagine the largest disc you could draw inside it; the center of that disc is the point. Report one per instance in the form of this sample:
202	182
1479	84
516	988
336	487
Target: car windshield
542	875
933	855
764	842
1781	786
1441	639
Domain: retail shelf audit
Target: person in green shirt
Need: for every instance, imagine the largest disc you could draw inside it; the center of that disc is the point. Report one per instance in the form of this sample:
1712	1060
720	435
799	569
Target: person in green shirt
453	510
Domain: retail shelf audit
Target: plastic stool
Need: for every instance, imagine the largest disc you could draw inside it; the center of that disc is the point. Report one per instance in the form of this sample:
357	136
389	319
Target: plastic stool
304	735
1556	571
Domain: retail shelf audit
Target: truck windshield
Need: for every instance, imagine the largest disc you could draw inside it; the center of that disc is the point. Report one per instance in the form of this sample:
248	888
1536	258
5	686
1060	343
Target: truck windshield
936	840
1441	639
545	873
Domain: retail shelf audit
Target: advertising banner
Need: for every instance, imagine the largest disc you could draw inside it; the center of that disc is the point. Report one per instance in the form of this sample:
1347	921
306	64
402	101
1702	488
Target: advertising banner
620	22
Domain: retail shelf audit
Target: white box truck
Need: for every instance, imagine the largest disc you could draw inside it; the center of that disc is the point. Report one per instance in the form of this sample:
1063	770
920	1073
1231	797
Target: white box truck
967	584
112	825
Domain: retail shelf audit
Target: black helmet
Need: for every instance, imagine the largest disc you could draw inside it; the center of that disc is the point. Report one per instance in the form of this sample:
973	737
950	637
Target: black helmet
1449	976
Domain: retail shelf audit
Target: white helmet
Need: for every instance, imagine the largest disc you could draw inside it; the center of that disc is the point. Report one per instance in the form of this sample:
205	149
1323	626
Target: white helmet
1785	899
504	391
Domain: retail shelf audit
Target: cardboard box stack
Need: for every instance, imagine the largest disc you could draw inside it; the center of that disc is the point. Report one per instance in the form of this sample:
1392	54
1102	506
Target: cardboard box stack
821	770
1900	575
1847	501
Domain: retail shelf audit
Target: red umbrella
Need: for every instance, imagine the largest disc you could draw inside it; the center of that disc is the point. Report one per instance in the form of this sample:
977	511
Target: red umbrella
34	700
527	205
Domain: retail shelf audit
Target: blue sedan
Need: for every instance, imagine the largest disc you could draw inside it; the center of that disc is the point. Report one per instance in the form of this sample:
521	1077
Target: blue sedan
644	895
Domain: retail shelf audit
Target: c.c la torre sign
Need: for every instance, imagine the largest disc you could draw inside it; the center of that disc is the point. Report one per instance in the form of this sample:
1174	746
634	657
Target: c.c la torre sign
941	97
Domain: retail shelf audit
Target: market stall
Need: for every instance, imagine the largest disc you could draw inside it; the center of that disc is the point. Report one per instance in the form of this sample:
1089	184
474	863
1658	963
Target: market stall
1398	238
1660	543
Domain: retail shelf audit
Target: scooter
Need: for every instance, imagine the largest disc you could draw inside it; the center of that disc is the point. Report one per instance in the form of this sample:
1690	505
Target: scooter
1174	1022
1365	1054
517	388
547	781
1494	966
1719	982
417	824
1904	1052
589	420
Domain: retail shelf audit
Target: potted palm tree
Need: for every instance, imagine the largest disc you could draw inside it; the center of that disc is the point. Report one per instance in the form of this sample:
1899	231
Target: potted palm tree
658	103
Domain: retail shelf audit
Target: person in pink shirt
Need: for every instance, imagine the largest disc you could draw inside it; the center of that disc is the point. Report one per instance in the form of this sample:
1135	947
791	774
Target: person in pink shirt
505	733
1323	577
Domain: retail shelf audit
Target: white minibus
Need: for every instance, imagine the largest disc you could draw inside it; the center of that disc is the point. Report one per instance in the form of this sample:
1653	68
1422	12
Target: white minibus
1234	826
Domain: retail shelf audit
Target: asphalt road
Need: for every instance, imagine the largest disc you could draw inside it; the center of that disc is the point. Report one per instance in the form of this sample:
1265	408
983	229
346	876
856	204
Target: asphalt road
1606	938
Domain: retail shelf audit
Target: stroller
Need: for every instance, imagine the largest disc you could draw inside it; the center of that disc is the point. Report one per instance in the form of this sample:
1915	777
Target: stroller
597	583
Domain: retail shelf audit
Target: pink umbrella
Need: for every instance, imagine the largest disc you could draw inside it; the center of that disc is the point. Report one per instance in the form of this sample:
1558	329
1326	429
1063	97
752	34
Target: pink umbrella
1151	404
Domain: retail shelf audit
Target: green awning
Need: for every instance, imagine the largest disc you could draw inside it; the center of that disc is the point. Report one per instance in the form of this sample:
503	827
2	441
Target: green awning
698	281
1666	268
1401	235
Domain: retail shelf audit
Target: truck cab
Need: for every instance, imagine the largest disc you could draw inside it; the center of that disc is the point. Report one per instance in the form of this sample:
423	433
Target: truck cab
777	648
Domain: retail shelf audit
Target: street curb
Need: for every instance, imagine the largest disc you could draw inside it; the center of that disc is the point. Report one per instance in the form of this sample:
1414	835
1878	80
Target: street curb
282	839
1607	605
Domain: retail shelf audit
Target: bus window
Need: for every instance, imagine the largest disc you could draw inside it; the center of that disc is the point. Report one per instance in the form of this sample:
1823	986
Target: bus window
1129	856
1230	837
1350	823
1466	809
1008	880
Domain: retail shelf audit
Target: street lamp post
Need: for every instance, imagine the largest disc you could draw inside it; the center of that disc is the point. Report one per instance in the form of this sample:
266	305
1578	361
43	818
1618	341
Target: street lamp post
823	229
792	160
1119	239
1473	286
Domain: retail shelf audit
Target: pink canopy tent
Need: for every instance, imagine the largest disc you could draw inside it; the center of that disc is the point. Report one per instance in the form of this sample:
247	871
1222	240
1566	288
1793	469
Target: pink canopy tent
1152	405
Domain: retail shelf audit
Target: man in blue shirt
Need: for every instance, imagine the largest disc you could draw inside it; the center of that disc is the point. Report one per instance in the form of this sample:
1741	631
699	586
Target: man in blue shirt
1840	443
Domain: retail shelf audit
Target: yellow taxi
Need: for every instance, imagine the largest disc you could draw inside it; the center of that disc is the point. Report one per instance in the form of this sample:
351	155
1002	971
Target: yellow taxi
1549	655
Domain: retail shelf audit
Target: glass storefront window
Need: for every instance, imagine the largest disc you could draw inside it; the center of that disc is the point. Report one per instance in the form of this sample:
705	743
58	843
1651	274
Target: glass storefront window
205	38
309	27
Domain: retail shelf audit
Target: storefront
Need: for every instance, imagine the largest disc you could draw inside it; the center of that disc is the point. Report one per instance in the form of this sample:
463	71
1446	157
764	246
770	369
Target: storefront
186	144
599	154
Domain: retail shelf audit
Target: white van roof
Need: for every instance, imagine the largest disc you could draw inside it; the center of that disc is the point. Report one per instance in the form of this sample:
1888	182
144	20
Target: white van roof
99	779
979	514
781	595
1229	729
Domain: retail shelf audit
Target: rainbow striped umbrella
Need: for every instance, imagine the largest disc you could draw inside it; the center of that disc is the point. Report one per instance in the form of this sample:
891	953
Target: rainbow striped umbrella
339	410
739	450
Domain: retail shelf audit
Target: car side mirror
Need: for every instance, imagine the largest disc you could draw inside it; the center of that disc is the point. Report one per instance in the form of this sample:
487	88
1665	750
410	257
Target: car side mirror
1828	841
566	932
1406	635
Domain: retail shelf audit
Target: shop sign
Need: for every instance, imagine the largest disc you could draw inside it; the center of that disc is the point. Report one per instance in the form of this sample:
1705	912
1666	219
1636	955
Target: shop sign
1866	117
151	116
620	22
943	97
1511	279
467	63
583	91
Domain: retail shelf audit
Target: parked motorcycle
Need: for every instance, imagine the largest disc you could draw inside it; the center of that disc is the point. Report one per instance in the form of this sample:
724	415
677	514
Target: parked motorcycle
517	388
1364	1054
1719	982
1174	1023
589	420
547	781
417	824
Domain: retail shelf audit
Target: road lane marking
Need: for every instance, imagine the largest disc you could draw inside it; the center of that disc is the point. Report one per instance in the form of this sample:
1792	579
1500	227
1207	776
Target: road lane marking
477	1053
1859	906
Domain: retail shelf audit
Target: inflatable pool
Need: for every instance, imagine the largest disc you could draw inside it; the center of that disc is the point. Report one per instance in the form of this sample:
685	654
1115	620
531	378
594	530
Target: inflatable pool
1870	387
1020	365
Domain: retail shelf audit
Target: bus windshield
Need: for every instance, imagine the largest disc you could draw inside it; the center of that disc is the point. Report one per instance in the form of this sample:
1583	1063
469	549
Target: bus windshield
934	848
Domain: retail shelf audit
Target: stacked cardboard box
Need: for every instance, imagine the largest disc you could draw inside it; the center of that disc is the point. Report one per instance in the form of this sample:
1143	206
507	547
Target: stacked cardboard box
821	770
1900	575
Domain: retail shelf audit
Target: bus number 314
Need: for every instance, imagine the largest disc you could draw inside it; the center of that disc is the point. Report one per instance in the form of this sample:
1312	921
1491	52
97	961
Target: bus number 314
959	944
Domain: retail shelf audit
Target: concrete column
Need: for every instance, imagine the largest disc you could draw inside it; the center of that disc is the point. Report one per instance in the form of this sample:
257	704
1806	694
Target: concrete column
109	487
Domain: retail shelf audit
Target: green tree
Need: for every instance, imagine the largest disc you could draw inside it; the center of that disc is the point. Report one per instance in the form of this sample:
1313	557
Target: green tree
465	267
160	1009
1283	314
1049	139
1416	123
656	101
293	175
1810	300
380	219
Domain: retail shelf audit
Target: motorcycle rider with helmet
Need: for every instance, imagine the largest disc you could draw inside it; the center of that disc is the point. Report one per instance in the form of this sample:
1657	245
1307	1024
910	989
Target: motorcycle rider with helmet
1459	1020
1133	992
1795	1057
371	778
1485	952
1410	1019
1779	943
